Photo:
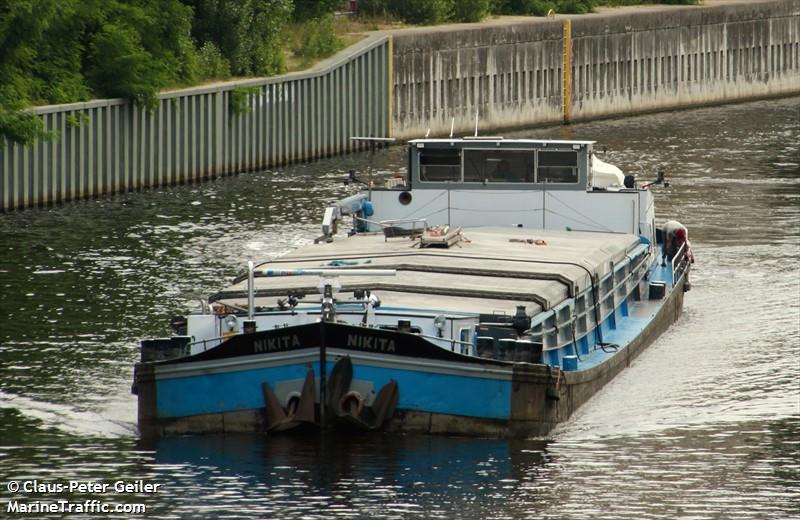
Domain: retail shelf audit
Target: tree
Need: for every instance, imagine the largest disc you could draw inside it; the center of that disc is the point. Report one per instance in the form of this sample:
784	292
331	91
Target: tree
57	51
422	12
470	10
311	9
140	47
247	32
21	23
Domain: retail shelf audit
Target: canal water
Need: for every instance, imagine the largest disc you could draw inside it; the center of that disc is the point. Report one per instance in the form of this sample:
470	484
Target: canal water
705	424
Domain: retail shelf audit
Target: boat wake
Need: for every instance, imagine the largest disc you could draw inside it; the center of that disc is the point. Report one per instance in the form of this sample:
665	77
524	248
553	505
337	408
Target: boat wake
67	419
730	359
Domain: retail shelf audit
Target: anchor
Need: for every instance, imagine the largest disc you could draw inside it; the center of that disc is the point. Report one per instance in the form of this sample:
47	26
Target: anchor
347	405
299	410
339	385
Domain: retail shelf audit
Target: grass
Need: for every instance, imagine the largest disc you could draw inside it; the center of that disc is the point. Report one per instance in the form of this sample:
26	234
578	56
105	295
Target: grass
347	31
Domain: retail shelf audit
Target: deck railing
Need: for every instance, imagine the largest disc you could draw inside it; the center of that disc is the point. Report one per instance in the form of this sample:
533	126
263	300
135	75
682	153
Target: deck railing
677	262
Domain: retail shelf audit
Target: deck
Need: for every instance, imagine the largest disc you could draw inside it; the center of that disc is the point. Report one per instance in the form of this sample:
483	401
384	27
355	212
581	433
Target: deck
492	270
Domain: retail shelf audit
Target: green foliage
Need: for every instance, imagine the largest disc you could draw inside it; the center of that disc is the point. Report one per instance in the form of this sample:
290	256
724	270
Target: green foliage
542	7
318	39
138	48
428	12
311	9
239	99
211	64
248	33
575	6
19	126
57	51
57	70
21	22
122	68
639	2
422	12
369	8
470	10
60	51
77	119
529	7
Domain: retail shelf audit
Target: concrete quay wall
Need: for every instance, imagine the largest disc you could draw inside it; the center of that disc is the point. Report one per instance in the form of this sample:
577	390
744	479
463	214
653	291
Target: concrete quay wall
570	68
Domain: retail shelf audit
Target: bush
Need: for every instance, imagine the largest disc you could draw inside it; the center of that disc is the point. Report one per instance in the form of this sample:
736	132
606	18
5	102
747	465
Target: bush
373	8
318	39
60	51
312	9
470	10
422	12
530	7
211	64
575	6
542	7
138	48
122	68
19	126
248	33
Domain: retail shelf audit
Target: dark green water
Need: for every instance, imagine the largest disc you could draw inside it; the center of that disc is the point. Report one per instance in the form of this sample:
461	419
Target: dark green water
705	424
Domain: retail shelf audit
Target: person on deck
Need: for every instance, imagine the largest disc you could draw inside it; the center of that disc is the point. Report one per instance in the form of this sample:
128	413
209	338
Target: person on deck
675	235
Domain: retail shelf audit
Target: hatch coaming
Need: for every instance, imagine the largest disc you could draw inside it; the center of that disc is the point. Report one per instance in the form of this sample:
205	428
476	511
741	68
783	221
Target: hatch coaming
555	280
570	320
552	269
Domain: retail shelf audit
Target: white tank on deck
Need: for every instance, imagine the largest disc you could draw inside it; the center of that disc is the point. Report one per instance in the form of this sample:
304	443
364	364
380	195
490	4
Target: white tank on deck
605	175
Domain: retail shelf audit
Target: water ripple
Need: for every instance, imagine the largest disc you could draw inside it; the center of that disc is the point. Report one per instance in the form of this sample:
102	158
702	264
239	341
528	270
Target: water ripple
704	424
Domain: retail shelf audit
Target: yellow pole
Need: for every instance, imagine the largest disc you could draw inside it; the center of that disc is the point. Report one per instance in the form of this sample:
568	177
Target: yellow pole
566	90
390	83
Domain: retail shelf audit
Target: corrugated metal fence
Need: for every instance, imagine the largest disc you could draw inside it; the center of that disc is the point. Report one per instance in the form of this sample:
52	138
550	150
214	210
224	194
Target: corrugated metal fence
111	146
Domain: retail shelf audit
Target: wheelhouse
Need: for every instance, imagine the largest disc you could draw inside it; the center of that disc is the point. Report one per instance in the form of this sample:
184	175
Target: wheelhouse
496	163
491	181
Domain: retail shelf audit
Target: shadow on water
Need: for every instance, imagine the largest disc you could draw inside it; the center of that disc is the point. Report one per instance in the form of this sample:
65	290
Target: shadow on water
341	475
321	460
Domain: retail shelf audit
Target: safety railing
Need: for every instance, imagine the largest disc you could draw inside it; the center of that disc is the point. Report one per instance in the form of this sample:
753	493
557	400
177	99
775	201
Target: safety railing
205	342
392	228
677	262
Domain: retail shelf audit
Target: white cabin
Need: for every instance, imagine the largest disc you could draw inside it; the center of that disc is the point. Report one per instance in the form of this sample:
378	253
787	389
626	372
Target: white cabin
526	183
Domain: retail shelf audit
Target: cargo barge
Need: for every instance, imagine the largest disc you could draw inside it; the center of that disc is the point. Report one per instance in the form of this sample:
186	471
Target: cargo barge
490	291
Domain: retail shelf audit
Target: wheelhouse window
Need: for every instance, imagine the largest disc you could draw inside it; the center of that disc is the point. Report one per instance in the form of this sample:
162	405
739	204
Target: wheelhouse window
557	167
440	164
498	165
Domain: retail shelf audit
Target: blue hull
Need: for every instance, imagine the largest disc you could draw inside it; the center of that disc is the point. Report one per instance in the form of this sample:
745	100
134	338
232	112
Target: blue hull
436	392
439	391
